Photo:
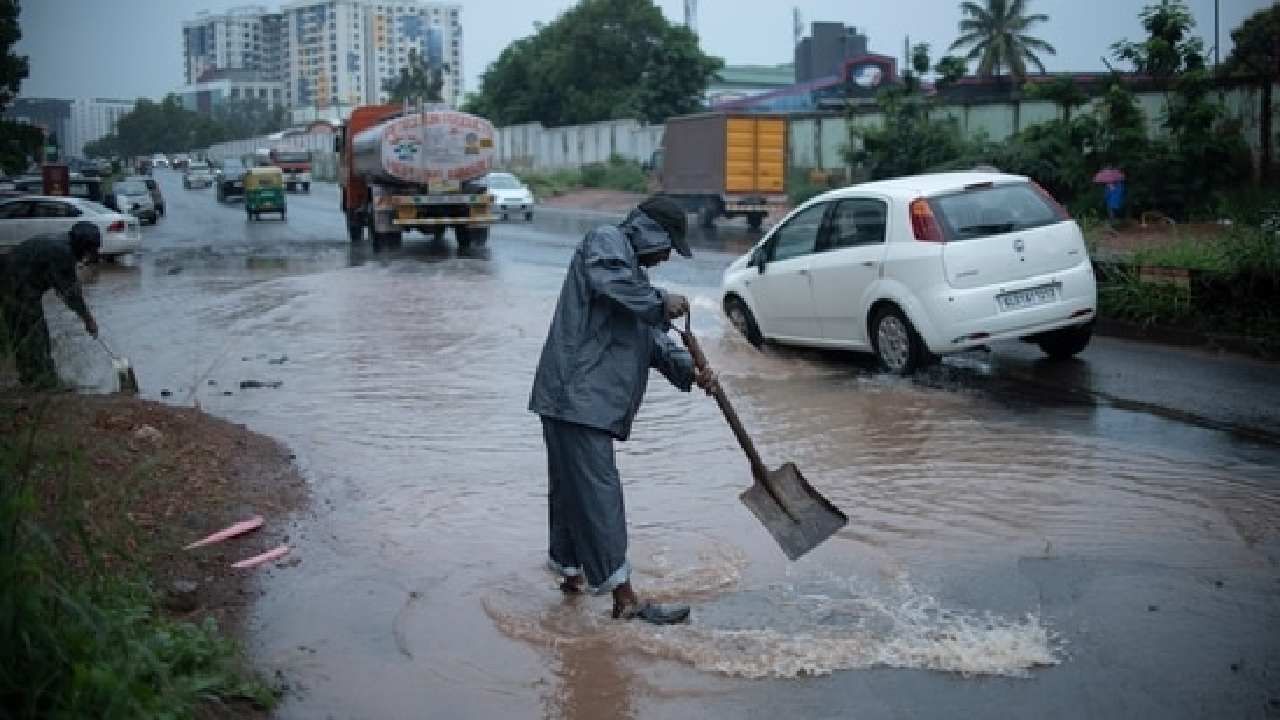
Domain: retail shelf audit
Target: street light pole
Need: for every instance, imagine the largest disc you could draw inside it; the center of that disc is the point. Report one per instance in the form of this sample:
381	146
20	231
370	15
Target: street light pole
1216	40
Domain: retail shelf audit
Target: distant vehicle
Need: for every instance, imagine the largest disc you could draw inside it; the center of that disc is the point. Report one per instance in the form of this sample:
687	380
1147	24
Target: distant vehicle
264	192
26	217
197	175
728	166
133	198
917	267
159	160
180	161
511	197
229	179
104	167
157	198
296	166
415	171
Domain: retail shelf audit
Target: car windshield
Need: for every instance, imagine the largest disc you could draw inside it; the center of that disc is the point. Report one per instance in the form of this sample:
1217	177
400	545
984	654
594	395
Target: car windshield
504	182
994	210
293	157
131	187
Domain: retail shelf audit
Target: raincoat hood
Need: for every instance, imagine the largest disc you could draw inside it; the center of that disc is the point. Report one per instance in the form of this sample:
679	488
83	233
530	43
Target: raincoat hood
647	236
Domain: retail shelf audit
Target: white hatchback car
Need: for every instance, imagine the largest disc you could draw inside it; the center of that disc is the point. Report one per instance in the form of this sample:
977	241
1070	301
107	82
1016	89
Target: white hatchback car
25	217
917	267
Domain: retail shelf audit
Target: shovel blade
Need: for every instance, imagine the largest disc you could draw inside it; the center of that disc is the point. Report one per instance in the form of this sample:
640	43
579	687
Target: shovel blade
803	520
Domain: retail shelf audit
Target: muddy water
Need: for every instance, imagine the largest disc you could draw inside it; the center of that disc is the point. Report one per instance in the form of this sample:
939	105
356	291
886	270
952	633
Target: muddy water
421	591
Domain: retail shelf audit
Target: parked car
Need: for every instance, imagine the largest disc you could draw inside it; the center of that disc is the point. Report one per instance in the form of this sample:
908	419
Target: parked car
131	197
229	179
159	160
511	197
22	218
917	267
157	198
198	175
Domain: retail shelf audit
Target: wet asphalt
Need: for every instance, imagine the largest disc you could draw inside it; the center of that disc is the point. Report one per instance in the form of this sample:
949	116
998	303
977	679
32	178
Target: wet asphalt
1095	538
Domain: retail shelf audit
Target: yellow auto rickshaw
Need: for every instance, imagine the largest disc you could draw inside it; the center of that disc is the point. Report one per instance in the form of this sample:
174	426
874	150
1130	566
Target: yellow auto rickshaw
263	192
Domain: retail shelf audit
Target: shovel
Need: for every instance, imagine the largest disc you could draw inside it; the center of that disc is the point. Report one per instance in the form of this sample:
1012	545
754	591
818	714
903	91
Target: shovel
798	517
126	380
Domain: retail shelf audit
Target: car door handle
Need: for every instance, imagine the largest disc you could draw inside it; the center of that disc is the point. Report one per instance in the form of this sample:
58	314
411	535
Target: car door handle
868	263
802	272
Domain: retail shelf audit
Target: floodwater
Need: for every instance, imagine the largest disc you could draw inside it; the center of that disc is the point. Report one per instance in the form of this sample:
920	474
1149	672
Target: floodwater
1008	553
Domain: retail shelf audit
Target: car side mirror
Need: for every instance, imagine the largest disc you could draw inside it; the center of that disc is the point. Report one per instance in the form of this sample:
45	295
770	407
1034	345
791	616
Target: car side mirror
757	259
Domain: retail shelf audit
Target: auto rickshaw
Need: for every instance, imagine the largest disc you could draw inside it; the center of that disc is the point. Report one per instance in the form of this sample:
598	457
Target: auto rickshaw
263	192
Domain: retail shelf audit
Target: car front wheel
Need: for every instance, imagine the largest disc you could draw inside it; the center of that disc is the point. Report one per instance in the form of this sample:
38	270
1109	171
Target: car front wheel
743	321
1067	342
897	345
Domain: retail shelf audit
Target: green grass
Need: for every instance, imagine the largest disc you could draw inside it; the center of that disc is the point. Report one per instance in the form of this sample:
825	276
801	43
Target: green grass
616	174
81	636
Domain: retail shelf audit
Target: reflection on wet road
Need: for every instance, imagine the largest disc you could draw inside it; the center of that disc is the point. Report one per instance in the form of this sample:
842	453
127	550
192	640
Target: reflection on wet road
1009	519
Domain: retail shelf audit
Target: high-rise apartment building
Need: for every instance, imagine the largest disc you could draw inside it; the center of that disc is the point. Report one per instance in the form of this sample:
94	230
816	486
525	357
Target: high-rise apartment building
243	38
325	53
434	30
328	54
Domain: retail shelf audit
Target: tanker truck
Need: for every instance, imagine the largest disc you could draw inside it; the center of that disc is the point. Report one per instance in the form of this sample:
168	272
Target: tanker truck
404	169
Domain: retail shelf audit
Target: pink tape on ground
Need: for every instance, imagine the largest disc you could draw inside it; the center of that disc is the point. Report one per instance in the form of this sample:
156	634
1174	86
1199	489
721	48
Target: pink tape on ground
230	531
266	557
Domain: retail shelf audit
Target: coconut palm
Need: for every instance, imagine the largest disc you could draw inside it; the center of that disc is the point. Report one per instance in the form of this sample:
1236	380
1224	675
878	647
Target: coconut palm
996	37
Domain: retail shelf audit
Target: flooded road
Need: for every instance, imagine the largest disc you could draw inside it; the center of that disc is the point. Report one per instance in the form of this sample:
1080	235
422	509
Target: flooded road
1025	539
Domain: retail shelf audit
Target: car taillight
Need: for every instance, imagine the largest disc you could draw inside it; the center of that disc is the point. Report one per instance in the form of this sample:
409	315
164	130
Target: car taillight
923	223
1058	210
117	226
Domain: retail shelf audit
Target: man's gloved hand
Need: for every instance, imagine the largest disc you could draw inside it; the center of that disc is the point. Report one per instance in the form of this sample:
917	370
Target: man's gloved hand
706	379
91	326
676	305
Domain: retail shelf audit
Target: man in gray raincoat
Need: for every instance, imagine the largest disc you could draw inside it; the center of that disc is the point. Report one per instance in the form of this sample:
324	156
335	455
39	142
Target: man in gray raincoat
37	265
609	329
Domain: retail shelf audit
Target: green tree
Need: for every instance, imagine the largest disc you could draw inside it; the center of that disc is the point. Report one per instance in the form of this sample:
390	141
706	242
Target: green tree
19	142
951	69
997	38
600	60
418	81
910	141
1169	49
1257	54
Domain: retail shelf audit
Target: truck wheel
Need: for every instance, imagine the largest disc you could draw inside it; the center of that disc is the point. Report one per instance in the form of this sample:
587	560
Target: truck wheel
479	236
755	220
437	233
707	215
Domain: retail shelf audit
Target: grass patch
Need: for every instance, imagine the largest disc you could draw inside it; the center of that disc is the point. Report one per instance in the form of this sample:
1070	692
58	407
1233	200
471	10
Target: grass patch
616	174
82	632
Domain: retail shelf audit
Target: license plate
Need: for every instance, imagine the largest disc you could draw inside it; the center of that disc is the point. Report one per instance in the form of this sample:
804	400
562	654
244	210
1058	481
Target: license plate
1030	297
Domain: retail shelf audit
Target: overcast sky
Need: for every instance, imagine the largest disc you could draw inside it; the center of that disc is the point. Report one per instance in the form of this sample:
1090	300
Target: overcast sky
133	48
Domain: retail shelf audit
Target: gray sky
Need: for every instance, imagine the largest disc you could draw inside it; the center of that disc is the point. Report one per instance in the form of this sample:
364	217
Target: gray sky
133	48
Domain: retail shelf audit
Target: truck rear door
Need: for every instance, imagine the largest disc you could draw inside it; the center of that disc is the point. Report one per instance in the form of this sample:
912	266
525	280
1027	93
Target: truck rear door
755	155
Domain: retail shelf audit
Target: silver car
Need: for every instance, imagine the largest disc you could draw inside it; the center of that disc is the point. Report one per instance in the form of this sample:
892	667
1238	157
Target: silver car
132	197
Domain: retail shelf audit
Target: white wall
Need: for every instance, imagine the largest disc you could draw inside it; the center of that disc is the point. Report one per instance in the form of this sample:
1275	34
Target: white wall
532	146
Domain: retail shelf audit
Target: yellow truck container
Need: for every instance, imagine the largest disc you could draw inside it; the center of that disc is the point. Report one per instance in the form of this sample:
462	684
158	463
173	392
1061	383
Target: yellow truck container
722	165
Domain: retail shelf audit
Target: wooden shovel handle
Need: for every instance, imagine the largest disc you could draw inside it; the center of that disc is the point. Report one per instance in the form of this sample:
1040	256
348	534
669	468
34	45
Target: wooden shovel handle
758	469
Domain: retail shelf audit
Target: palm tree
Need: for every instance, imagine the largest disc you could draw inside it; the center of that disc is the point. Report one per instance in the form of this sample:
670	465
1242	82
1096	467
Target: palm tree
997	34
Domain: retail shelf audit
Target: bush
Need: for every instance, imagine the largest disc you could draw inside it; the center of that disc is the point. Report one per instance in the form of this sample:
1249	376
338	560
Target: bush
801	187
616	174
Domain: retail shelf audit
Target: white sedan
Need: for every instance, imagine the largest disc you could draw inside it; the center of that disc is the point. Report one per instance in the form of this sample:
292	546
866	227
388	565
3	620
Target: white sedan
25	217
510	196
917	267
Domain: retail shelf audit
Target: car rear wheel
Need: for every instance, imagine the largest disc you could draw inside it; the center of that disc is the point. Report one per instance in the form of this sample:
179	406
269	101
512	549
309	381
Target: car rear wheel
741	318
1067	342
897	345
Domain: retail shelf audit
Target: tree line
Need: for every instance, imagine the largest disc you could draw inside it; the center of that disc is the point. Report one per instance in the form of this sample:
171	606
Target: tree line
166	126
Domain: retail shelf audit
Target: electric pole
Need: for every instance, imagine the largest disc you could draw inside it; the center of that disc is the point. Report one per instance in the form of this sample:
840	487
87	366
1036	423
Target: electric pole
691	14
